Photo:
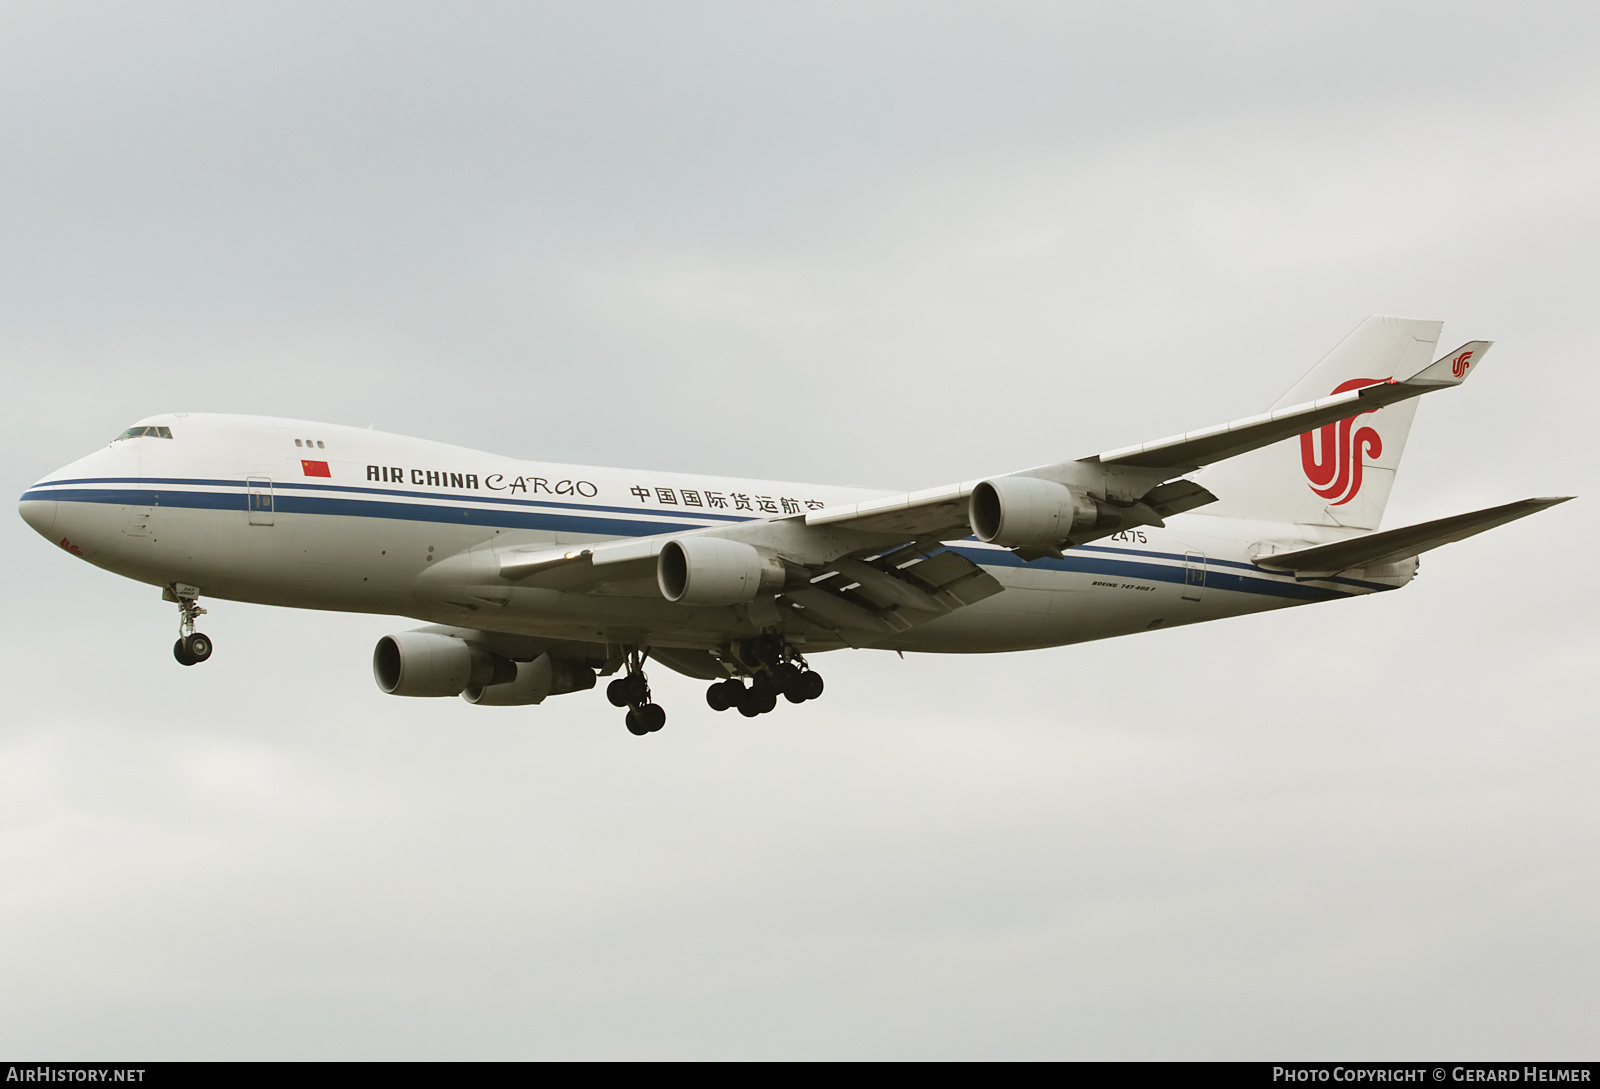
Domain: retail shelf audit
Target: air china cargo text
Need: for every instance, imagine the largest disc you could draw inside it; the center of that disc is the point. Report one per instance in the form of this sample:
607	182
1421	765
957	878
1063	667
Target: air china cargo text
494	482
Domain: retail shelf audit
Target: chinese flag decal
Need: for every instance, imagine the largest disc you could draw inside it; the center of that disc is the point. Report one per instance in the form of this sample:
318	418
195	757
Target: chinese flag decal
315	468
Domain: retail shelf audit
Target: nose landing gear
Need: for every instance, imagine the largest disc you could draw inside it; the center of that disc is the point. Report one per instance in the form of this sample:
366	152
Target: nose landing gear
632	691
192	647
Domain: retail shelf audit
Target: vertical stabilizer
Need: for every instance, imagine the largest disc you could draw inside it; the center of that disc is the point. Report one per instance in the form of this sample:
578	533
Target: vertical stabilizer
1339	474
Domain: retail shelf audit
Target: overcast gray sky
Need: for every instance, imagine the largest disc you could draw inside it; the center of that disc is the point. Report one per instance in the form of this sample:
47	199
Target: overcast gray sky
886	244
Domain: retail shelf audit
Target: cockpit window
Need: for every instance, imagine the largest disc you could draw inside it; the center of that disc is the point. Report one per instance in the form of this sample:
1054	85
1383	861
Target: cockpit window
145	433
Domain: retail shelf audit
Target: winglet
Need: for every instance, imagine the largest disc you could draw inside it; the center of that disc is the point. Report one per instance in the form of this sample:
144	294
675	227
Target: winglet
1452	369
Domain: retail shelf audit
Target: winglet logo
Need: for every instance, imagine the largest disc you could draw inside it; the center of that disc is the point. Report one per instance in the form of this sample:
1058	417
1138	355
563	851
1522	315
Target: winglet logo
1459	365
315	468
1332	455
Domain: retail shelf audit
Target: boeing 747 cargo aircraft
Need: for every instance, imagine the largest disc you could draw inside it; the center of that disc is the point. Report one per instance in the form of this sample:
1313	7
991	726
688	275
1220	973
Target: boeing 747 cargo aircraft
534	579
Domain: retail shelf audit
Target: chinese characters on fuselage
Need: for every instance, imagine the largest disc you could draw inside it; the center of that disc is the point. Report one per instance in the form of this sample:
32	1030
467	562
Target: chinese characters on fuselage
699	497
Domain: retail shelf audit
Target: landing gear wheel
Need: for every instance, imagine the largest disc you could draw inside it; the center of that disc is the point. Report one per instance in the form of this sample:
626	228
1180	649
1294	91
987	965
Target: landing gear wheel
784	676
787	679
757	700
646	718
197	646
810	685
181	652
629	689
724	694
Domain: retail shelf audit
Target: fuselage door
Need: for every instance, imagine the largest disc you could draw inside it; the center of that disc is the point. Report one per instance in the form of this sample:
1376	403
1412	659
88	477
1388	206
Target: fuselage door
1194	575
258	499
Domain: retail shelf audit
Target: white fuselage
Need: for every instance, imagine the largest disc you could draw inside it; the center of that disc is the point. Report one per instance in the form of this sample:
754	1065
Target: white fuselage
317	516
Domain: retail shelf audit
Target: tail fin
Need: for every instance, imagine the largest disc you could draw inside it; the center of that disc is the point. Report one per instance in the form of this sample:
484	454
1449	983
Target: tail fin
1339	474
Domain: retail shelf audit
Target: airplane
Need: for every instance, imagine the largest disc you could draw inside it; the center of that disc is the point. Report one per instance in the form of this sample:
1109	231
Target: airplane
536	579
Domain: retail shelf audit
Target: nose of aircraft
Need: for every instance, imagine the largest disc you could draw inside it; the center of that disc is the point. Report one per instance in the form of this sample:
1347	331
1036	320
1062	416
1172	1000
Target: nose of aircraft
38	513
72	519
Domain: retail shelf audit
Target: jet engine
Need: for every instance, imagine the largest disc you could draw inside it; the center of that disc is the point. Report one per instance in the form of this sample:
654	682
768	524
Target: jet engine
1025	512
425	663
544	676
713	571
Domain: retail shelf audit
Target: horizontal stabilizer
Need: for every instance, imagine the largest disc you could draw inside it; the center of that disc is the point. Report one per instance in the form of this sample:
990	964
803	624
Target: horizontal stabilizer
1393	545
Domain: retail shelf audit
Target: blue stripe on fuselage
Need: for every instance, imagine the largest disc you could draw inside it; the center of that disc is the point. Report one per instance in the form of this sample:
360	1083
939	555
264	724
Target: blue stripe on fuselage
279	485
286	503
537	515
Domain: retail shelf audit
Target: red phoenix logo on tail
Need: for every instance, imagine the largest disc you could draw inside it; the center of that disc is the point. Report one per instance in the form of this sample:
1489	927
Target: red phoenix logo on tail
1332	455
1459	365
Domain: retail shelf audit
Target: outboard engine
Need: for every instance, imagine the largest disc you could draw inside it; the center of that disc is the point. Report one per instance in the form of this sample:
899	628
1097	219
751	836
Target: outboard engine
1025	512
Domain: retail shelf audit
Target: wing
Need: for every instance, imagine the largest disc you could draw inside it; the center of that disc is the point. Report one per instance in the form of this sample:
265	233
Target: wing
1142	479
879	567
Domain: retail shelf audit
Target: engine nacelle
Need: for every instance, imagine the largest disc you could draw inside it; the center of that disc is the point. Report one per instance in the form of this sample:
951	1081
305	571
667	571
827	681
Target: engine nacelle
1025	512
713	571
544	676
425	663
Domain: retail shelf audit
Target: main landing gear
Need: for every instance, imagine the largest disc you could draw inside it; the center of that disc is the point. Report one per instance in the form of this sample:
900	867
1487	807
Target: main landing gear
776	669
192	647
632	691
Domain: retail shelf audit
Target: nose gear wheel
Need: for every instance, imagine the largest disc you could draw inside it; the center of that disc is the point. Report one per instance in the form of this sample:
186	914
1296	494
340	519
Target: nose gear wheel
192	647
